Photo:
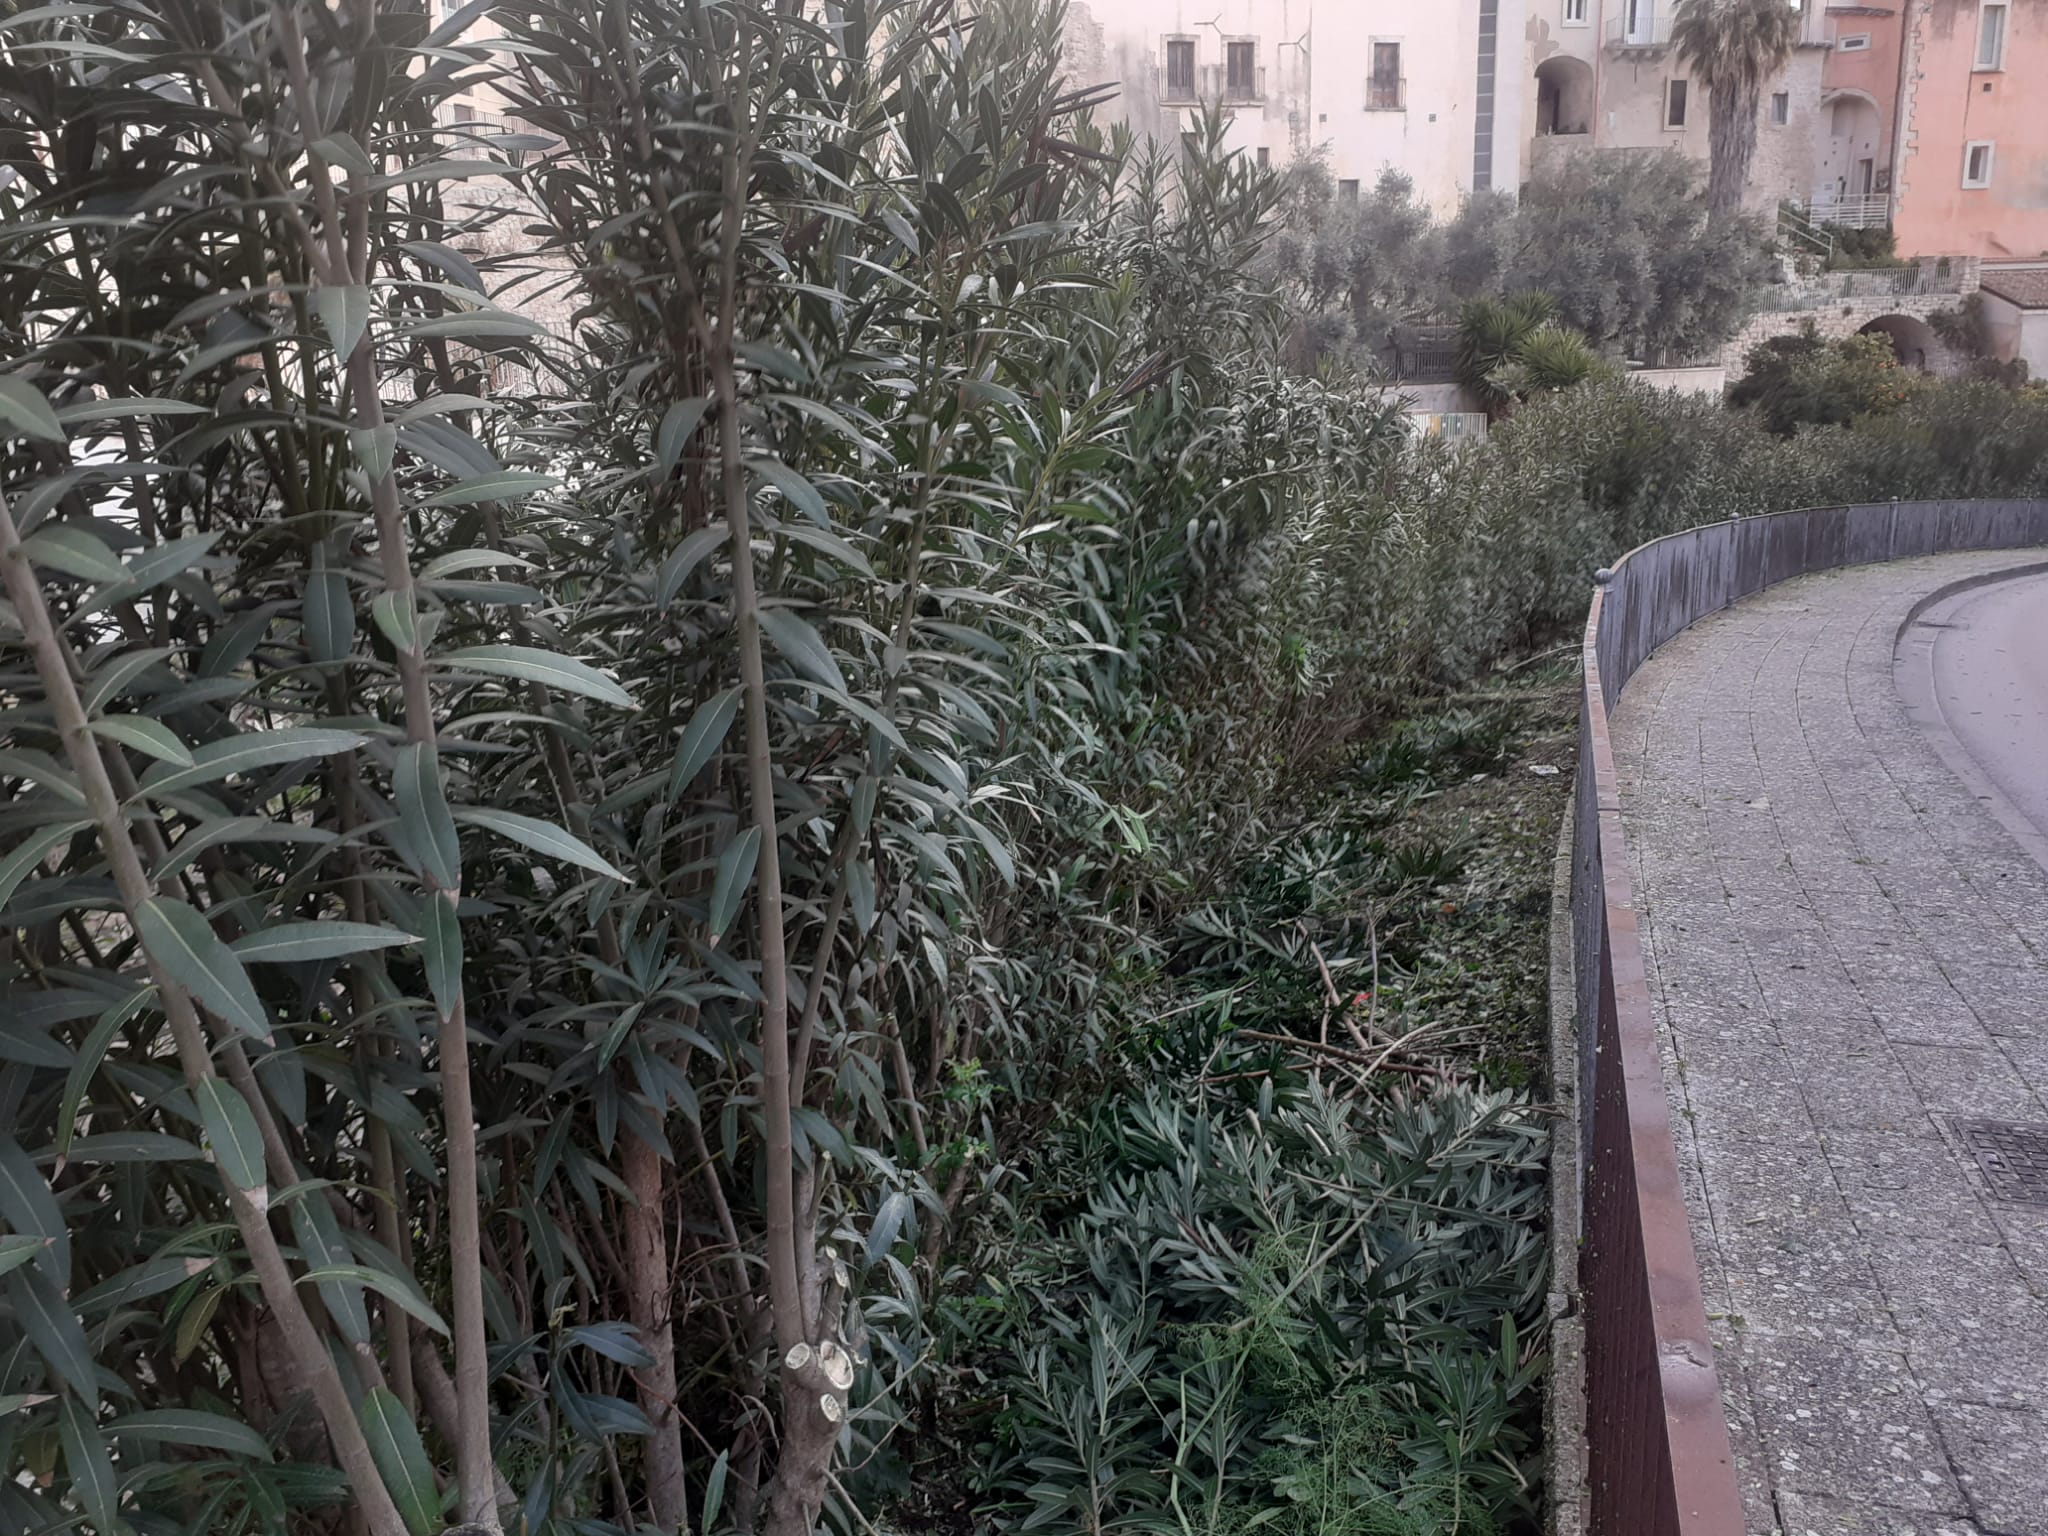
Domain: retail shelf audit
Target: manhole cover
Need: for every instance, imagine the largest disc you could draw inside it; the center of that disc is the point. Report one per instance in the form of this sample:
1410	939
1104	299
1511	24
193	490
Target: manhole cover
2014	1158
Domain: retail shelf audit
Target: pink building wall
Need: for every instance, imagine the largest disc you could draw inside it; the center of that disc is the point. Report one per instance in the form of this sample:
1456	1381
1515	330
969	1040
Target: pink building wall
1859	97
1947	104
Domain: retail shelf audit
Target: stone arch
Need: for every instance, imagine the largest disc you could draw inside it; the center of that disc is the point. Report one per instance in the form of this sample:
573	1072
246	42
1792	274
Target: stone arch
1913	340
1564	95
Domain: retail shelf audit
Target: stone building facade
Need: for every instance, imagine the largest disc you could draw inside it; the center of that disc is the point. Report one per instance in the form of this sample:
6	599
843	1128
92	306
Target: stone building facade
1606	75
1435	92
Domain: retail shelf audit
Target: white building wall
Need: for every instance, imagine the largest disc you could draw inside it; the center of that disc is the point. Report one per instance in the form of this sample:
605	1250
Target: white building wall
1315	91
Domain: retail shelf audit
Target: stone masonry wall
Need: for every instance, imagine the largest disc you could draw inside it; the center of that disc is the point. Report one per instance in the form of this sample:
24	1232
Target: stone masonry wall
1843	317
1845	311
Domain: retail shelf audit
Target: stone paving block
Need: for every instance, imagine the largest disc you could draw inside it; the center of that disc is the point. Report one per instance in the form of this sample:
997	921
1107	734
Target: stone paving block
1908	1186
1824	865
1793	991
2024	1231
1793	1259
1974	929
2006	1370
1760	1100
1998	1456
1833	1038
1752	1463
1873	1093
1762	871
1753	908
1881	956
2008	993
2029	1057
1801	1514
1848	1423
1962	1081
1942	1292
1926	1014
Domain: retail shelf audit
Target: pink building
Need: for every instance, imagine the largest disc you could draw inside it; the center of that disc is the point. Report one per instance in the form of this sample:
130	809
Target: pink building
1852	173
1970	174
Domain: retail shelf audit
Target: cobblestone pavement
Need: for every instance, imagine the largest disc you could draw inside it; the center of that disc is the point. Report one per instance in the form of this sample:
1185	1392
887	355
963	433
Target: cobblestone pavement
1849	955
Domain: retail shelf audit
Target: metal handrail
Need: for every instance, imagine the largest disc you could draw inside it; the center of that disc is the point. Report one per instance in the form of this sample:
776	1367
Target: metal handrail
1869	210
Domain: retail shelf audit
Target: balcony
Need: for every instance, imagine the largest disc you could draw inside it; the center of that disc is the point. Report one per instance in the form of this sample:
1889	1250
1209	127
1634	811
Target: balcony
1869	210
1386	95
1645	32
1211	82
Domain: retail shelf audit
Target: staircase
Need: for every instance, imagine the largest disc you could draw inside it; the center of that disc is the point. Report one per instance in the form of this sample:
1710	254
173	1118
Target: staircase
1802	234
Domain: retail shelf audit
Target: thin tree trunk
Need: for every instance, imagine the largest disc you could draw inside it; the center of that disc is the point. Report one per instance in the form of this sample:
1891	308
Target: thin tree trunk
345	262
649	1299
53	663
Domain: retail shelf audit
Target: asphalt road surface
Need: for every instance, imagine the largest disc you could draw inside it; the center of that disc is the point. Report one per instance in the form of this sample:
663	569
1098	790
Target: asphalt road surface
1990	684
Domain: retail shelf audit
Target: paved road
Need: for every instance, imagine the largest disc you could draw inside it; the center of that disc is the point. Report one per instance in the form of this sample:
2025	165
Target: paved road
1848	947
1987	678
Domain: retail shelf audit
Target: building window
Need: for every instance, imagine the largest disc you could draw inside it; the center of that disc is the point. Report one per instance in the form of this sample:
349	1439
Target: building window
1347	191
1674	103
1241	69
1575	13
1979	158
1781	109
1265	157
1991	35
1180	68
1855	42
1383	89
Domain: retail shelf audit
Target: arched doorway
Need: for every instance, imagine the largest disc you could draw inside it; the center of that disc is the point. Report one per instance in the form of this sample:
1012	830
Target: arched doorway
1564	96
1913	340
1854	168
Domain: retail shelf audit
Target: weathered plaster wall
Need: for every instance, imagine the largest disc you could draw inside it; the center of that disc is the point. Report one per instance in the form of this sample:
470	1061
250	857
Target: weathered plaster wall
1786	154
1549	34
1950	103
1859	96
2017	333
1315	67
1633	92
1124	42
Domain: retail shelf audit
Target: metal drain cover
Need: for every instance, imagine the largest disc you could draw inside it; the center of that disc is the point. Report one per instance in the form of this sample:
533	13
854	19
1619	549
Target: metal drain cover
2014	1158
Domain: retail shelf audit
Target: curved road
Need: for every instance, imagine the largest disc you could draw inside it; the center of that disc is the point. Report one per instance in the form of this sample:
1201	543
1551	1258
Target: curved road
1990	684
1836	799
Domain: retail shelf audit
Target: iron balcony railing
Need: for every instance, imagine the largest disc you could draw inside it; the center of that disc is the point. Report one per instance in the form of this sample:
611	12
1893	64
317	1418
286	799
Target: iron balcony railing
1867	210
1646	29
1210	82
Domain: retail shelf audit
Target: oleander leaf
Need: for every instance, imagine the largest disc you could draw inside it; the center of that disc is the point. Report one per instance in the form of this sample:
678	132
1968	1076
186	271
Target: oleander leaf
180	940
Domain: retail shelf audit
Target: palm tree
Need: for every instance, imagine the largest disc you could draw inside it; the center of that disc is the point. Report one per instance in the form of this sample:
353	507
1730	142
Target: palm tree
1734	46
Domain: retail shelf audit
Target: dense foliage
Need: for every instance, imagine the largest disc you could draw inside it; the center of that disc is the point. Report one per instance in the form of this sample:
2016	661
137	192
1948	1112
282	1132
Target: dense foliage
1800	380
1621	245
645	764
